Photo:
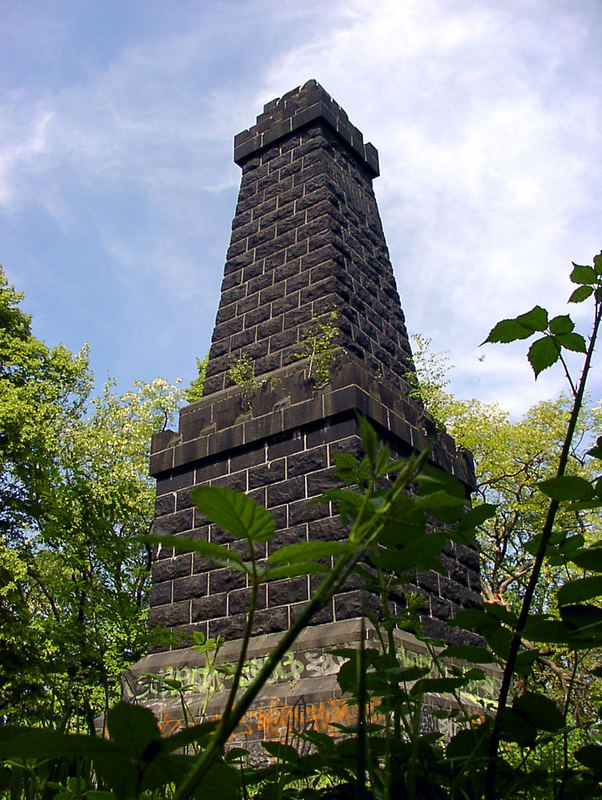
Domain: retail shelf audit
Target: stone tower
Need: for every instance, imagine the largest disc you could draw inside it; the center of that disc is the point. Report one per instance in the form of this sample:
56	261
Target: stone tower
307	250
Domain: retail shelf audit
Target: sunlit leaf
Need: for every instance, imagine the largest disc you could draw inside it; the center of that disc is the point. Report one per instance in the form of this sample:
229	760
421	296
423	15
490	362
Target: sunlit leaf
542	354
234	512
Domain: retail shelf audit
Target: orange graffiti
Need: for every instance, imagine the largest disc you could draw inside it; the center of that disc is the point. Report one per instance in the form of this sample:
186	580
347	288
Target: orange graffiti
168	725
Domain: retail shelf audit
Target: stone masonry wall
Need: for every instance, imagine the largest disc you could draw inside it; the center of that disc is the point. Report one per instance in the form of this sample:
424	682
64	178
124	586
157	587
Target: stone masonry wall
306	240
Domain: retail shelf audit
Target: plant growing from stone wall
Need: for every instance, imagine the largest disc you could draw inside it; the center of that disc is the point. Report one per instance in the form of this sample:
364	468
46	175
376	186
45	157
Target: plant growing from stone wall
530	748
318	346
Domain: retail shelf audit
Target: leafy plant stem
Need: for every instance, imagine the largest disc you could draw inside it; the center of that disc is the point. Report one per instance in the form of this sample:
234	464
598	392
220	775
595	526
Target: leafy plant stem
363	533
538	563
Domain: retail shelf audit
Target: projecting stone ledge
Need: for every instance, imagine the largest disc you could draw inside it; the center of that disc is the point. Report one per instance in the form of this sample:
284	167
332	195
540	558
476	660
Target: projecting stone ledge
235	418
293	111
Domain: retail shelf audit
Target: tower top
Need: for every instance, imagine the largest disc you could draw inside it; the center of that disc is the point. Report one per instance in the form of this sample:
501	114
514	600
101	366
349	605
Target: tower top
295	110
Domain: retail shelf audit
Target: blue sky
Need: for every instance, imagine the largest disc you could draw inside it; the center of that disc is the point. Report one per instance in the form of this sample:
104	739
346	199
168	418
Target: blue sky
117	186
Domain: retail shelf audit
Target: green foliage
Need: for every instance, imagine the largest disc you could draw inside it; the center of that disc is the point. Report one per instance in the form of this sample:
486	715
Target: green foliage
195	390
318	347
73	492
401	514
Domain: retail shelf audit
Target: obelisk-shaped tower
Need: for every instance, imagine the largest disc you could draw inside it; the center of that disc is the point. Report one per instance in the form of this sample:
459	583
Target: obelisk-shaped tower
309	330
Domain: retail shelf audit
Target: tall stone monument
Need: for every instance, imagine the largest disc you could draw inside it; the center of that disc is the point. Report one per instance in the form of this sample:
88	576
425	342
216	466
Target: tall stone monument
307	266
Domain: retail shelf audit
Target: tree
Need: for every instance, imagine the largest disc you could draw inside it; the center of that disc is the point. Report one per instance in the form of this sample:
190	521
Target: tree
511	458
74	491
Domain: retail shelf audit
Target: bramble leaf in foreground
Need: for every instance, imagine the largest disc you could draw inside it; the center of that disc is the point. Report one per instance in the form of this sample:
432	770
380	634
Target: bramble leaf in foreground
580	294
234	512
521	327
583	274
567	487
543	353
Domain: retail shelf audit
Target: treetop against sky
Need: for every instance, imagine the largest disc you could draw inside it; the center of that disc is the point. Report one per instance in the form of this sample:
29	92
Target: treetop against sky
117	186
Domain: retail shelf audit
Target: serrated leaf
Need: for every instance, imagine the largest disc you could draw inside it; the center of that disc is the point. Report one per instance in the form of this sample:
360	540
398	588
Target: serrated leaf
542	354
581	589
307	551
590	756
580	294
589	558
133	728
583	274
477	516
295	570
562	324
598	263
572	341
508	330
534	320
369	438
234	512
568	487
428	685
540	711
187	545
596	450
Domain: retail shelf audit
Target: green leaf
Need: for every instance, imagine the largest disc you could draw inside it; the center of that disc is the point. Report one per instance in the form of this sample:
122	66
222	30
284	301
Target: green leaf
534	320
542	354
133	728
572	341
515	728
282	752
369	438
187	545
441	505
583	274
296	569
306	551
568	487
562	324
598	263
234	512
590	756
580	294
540	711
508	330
580	589
585	617
38	743
589	558
477	516
596	450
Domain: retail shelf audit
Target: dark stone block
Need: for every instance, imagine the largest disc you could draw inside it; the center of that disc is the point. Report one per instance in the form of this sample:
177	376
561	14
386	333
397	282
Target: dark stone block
270	620
225	580
309	461
228	627
165	504
292	590
174	523
206	608
304	511
328	529
160	593
189	588
236	481
170	568
285	446
318	482
170	615
265	474
285	492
